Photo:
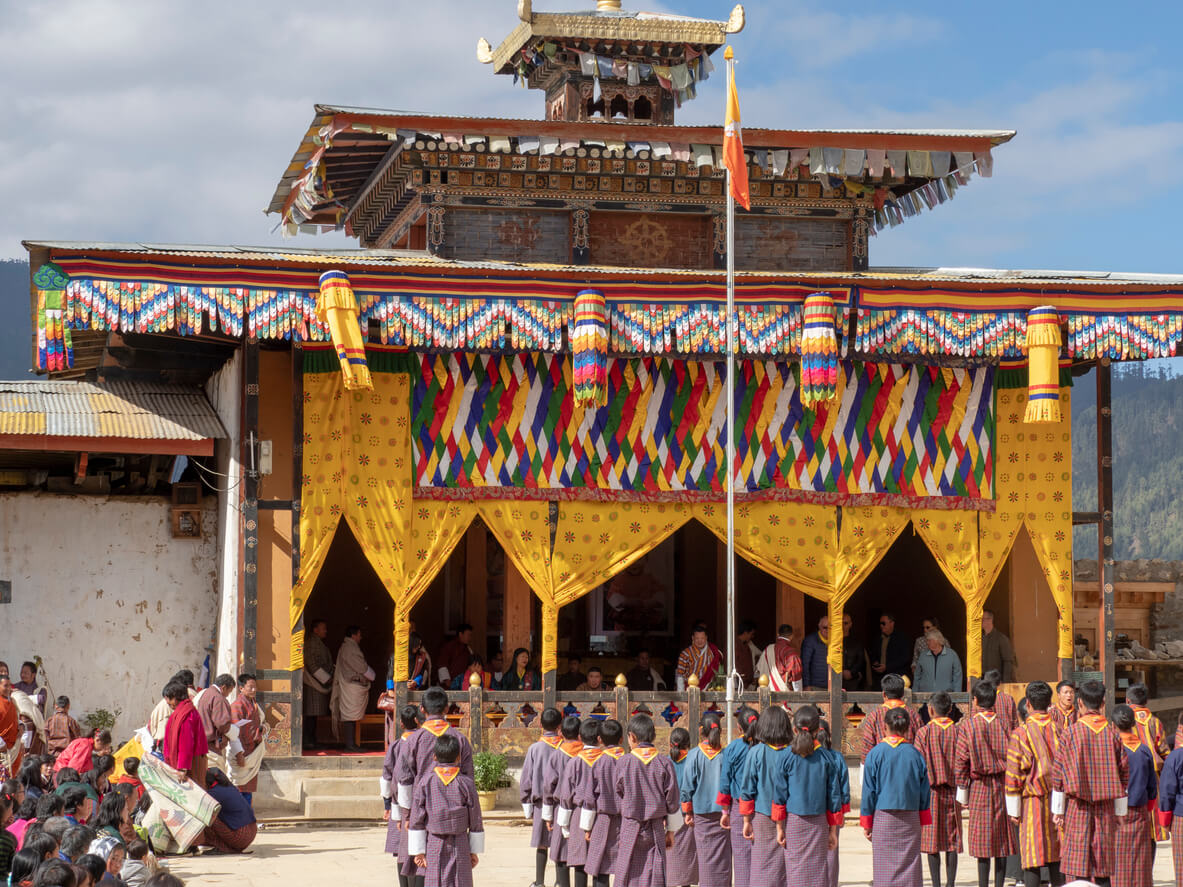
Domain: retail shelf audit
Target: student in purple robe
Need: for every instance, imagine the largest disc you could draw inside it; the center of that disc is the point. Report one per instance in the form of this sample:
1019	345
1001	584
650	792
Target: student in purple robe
735	757
418	757
569	816
895	804
806	804
446	833
396	832
551	777
600	808
681	869
842	774
647	790
699	784
531	789
755	797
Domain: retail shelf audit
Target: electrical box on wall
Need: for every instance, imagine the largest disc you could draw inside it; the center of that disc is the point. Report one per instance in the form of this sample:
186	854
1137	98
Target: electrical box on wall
264	457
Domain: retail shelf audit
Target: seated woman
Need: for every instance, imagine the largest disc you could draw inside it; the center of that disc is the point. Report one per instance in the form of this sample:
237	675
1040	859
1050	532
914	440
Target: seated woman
234	828
519	675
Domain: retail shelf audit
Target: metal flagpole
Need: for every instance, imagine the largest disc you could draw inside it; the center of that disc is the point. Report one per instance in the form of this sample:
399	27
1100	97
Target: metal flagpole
729	430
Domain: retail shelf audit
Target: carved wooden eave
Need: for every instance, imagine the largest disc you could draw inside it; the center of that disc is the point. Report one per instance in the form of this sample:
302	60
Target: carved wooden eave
632	27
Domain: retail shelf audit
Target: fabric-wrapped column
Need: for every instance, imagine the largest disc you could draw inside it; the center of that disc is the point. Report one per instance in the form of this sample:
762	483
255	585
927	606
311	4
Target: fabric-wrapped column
337	307
1043	357
589	349
819	350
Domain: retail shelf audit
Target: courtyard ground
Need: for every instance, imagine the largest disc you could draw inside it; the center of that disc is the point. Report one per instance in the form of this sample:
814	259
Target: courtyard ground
330	855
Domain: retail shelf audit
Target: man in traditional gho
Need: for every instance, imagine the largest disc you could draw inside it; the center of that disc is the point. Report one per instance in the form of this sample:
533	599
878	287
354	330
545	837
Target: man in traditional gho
214	707
1170	802
185	747
1064	710
775	731
647	789
10	731
569	816
1004	706
552	776
937	742
1133	854
396	827
1152	734
1030	757
60	728
317	679
351	686
781	662
702	659
701	811
415	761
601	808
530	785
981	785
895	805
731	772
244	771
1089	789
446	833
874	726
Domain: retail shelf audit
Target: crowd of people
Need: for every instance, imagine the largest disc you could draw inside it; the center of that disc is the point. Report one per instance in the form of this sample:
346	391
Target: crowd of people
75	811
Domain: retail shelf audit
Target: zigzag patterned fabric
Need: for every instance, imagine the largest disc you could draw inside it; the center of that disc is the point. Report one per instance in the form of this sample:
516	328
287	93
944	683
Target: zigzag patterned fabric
507	427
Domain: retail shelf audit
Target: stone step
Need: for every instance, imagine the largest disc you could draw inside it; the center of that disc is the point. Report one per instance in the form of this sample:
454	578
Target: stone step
343	807
336	786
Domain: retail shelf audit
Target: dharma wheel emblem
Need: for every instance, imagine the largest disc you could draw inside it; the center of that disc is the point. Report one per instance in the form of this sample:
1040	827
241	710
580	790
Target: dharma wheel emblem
648	242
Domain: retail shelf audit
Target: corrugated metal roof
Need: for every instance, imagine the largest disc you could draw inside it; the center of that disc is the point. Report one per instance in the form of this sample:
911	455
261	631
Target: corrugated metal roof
410	259
136	410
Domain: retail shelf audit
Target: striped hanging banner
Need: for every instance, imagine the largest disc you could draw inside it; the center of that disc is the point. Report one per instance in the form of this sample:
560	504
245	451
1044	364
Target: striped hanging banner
589	348
819	350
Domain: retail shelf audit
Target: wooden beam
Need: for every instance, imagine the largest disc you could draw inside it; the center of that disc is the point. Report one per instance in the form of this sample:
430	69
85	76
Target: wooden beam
519	608
122	446
80	462
476	588
1107	639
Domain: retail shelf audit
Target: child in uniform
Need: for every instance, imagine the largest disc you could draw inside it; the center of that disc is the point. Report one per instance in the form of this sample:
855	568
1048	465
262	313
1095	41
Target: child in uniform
681	867
755	797
981	784
1153	736
601	813
842	773
569	816
555	765
895	805
446	834
700	804
806	804
730	775
874	728
1133	857
937	742
1064	710
396	832
1170	801
530	786
1030	758
647	794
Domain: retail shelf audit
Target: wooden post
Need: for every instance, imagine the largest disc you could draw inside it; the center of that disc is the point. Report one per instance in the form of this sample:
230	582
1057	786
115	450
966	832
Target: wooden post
476	590
837	721
693	705
250	507
790	608
621	694
1105	527
765	693
476	714
297	674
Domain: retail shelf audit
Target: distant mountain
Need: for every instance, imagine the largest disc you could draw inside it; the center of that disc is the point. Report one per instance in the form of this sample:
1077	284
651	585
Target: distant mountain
15	330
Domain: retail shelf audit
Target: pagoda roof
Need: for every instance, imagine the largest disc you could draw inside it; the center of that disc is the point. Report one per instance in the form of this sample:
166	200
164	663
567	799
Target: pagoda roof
609	25
345	150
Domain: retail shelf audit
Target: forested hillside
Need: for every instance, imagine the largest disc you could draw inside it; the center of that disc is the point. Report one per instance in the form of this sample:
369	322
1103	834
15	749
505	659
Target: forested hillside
15	333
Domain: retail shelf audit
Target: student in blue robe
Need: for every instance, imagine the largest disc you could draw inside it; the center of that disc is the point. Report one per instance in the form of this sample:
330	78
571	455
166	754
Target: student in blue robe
755	797
896	799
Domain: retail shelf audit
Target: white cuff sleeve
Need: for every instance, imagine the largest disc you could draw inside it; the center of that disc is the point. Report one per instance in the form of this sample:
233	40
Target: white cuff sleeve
384	787
476	842
1014	806
445	676
1057	803
528	811
564	817
396	813
797	686
587	818
548	812
1121	806
417	842
674	821
404	796
962	796
566	832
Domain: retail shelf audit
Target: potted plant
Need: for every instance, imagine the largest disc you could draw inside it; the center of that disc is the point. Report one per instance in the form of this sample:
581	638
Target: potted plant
489	774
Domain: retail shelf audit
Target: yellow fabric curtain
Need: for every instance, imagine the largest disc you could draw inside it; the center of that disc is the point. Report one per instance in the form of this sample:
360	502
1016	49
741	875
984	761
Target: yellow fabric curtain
436	529
864	536
796	542
320	489
1045	474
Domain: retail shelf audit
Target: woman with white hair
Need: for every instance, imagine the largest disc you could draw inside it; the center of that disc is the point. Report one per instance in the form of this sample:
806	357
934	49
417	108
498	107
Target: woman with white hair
938	667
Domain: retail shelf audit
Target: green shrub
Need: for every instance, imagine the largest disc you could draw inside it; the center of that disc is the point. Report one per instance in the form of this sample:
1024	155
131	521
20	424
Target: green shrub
100	719
489	771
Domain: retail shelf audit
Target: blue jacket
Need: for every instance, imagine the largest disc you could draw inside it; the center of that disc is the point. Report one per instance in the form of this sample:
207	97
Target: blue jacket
699	782
806	787
735	756
755	793
815	668
895	778
1170	785
940	672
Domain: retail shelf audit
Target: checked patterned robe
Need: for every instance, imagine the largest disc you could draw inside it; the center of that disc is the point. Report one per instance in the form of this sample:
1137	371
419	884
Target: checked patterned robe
981	769
1030	758
874	730
937	742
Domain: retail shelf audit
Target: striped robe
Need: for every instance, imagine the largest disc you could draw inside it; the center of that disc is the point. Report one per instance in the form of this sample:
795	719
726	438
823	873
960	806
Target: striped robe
874	729
1133	859
1030	757
1150	730
446	826
937	742
1091	771
396	833
647	792
417	759
530	785
981	768
571	790
552	784
1064	719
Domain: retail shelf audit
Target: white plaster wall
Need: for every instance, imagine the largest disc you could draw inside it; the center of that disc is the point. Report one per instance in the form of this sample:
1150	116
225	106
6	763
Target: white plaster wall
224	390
105	596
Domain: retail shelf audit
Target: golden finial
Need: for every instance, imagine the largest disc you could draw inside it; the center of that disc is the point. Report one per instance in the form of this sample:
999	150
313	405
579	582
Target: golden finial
907	682
692	681
621	680
609	5
763	681
728	53
474	680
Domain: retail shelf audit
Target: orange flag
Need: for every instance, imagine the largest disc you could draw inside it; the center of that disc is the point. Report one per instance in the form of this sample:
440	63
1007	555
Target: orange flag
733	156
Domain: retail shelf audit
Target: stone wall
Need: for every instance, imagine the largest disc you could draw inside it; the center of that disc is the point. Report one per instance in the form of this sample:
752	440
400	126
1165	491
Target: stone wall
507	235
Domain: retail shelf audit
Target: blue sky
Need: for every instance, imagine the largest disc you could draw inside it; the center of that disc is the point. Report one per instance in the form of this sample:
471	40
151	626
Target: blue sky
162	122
